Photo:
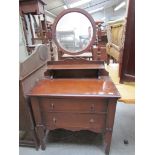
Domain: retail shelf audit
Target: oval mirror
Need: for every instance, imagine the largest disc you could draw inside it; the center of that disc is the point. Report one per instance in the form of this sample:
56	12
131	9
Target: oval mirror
74	31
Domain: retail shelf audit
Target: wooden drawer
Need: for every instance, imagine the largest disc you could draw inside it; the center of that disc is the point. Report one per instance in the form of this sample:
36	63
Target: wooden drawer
70	121
73	105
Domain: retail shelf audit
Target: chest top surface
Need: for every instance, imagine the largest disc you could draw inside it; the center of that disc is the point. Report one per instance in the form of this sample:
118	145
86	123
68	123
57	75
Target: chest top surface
76	88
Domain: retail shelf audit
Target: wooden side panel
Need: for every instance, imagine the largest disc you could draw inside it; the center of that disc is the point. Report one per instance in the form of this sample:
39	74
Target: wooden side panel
127	63
24	118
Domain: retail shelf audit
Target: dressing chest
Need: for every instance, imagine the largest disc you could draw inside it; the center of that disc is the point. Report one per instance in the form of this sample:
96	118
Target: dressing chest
76	94
75	104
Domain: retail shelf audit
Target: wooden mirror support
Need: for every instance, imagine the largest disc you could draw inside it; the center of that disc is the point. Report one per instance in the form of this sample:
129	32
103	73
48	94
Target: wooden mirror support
90	19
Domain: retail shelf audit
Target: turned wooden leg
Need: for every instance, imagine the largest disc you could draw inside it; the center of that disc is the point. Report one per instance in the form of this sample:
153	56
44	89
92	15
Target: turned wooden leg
109	126
41	135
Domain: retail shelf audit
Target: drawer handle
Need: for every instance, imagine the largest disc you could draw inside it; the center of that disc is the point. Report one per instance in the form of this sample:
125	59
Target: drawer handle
92	107
52	106
54	120
91	120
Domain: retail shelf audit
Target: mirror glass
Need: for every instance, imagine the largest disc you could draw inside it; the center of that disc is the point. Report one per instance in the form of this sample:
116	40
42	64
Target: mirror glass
74	32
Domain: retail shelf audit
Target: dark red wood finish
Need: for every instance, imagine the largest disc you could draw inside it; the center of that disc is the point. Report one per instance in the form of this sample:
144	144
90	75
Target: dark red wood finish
99	53
75	68
75	104
127	63
32	6
76	94
76	87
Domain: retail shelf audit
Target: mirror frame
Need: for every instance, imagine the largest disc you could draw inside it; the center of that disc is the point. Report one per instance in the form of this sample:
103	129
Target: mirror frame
85	13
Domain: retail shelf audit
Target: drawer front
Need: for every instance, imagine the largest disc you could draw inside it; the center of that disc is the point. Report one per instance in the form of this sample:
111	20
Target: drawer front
74	105
94	122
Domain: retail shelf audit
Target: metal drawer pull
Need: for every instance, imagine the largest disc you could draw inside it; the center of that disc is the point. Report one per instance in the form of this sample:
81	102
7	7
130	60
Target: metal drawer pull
91	120
52	106
54	120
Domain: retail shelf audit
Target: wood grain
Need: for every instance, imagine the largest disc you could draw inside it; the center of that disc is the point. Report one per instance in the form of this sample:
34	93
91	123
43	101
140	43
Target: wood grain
75	87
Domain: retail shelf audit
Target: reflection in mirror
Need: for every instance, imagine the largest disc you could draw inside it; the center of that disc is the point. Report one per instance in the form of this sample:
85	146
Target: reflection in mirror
74	32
